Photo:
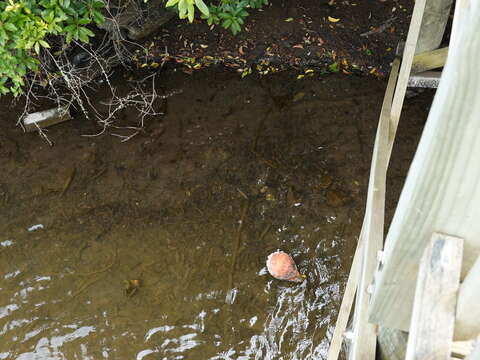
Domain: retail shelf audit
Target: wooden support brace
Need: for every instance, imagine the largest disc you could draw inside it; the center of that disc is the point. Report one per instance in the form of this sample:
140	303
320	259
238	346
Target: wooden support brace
429	60
441	189
365	334
407	59
433	316
383	146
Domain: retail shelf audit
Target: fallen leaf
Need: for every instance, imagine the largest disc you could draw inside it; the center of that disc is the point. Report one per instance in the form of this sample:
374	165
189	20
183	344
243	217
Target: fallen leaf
301	76
335	198
289	19
203	46
298	96
325	181
333	20
298	46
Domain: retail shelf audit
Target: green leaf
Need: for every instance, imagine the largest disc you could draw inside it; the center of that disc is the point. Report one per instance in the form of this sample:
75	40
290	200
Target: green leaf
44	44
10	27
182	9
227	23
235	28
191	12
71	29
333	67
98	17
98	4
88	32
83	37
202	7
37	48
171	3
69	37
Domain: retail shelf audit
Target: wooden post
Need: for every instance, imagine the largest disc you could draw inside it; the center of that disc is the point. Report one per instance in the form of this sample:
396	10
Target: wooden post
392	343
433	317
433	24
441	190
467	324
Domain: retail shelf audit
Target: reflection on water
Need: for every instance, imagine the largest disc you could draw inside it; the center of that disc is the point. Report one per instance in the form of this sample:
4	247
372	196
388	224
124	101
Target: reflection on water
189	218
262	318
175	315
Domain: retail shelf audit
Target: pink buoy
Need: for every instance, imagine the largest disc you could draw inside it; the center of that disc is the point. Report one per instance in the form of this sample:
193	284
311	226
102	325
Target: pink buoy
282	267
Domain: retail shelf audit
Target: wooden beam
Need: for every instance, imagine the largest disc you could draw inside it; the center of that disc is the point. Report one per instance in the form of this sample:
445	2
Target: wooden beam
434	22
441	190
427	79
429	60
383	145
467	324
433	317
407	59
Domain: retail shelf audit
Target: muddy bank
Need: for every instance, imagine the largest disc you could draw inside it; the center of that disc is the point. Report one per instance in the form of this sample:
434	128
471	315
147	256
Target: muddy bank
290	35
289	159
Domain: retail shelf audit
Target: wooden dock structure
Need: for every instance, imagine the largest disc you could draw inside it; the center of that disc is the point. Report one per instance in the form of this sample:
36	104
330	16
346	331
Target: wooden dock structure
417	292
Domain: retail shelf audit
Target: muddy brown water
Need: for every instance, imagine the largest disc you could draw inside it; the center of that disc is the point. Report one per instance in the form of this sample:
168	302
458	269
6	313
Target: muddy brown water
155	248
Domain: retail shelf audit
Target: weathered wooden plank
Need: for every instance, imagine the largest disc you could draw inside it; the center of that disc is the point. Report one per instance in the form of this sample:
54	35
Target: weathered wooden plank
434	22
347	302
381	145
433	316
461	9
407	59
475	354
365	334
441	190
392	343
467	325
429	60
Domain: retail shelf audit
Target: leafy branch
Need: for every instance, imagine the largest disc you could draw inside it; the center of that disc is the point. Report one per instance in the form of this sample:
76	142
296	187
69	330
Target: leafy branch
230	14
25	26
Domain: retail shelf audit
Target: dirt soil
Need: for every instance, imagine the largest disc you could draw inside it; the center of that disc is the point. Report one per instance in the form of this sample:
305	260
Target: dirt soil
291	35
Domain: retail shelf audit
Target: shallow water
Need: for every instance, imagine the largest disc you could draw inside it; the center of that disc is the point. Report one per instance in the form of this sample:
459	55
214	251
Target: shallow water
235	170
